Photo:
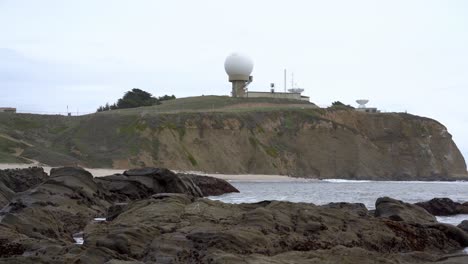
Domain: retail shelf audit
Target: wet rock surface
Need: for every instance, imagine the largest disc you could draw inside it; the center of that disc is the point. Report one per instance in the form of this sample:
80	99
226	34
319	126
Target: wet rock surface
18	180
45	217
5	194
463	225
153	218
142	183
210	186
183	229
399	211
444	206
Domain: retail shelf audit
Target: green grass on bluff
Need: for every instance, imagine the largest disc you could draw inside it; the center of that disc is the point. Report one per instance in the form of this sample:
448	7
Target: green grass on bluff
218	104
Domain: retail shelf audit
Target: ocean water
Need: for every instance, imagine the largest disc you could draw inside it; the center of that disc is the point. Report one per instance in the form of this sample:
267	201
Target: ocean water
366	192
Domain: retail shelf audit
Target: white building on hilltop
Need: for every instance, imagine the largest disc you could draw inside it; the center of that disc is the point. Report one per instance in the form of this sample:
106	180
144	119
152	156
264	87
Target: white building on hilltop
363	108
239	69
7	110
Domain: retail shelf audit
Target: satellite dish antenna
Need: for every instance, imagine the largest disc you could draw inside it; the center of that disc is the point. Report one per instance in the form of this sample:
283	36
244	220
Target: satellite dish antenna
362	103
296	90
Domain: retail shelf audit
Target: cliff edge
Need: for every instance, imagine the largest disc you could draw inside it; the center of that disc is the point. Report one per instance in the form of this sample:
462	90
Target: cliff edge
241	137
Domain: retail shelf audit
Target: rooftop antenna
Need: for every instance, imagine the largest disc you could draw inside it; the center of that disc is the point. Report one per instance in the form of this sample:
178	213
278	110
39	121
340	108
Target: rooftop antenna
294	89
292	80
285	80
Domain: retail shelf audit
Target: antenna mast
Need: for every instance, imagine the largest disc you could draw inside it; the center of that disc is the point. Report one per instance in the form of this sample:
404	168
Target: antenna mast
292	80
284	80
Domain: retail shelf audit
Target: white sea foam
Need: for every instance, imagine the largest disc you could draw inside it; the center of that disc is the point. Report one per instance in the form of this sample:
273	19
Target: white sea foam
346	181
407	182
453	219
79	240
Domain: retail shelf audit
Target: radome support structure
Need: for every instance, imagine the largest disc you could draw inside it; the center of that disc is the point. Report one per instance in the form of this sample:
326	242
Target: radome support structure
239	67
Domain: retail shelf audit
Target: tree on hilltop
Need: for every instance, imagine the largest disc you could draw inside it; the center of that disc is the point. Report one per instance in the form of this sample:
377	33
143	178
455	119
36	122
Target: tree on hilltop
339	105
135	98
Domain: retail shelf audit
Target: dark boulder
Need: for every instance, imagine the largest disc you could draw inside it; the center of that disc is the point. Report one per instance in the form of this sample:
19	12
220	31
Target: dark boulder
124	189
400	211
169	223
463	225
176	228
6	194
452	232
47	215
444	206
162	180
114	210
210	186
20	180
142	183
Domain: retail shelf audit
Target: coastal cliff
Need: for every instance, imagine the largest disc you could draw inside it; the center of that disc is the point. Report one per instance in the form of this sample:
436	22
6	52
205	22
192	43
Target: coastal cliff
259	138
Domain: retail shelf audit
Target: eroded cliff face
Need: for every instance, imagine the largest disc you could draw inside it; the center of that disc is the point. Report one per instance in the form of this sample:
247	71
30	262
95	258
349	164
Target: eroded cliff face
328	144
311	143
414	147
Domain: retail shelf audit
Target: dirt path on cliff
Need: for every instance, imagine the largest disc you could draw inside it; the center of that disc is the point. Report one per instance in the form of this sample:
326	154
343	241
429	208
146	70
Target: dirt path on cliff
15	140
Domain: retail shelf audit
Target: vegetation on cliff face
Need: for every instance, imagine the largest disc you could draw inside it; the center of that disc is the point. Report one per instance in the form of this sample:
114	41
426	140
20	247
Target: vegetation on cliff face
229	135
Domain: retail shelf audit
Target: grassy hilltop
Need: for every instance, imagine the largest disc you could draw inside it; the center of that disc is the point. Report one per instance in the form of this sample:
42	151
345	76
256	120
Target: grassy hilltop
235	135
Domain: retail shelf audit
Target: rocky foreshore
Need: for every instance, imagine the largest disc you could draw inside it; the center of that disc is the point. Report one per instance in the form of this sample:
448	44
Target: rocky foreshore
153	215
444	206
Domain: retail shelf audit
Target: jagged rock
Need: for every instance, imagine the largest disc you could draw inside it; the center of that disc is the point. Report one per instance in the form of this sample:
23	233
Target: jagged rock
114	210
47	215
453	232
19	180
142	183
123	189
400	211
444	206
181	229
164	181
6	194
210	186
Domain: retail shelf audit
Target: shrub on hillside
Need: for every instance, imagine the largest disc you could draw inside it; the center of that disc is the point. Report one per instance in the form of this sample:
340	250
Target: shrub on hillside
135	98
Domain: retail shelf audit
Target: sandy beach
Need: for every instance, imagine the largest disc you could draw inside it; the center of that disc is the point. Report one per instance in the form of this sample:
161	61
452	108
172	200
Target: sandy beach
98	172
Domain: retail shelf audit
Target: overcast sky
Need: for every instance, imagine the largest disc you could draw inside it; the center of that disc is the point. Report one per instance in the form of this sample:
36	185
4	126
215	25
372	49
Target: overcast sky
409	55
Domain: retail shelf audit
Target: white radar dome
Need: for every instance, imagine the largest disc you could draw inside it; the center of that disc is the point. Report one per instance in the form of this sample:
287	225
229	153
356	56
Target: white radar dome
238	67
